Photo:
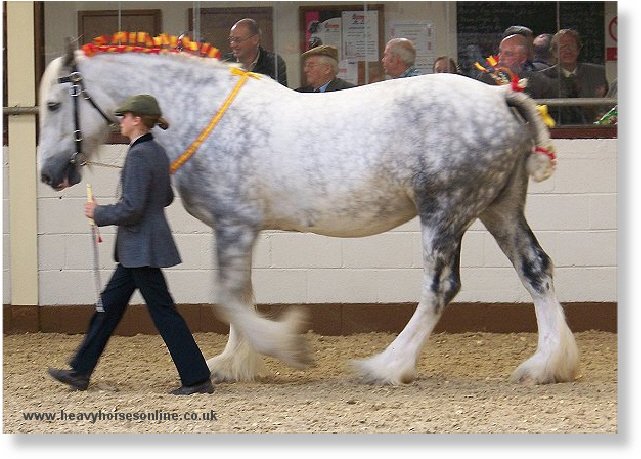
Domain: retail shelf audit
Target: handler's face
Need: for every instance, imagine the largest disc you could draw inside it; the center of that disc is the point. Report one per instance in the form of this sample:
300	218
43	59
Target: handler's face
129	124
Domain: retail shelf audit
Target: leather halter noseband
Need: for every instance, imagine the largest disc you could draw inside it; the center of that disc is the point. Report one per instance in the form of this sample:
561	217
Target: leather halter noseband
78	88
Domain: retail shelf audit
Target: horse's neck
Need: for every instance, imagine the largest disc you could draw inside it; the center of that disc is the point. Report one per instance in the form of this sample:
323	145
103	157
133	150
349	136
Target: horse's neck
180	87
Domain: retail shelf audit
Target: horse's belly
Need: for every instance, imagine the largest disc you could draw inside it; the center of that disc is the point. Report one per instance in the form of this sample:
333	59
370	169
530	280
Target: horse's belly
347	221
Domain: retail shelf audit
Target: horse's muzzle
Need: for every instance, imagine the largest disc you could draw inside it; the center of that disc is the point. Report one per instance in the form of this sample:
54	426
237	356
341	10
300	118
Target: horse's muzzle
60	178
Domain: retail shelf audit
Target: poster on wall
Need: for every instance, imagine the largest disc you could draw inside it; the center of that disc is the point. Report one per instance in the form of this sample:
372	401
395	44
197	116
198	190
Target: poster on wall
422	35
327	32
360	35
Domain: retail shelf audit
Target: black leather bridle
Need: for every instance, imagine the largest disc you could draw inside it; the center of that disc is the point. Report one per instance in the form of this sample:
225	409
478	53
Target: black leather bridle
76	90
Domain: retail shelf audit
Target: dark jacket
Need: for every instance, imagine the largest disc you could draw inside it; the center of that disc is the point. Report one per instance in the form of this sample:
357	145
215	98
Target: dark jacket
538	85
268	63
143	238
585	83
336	84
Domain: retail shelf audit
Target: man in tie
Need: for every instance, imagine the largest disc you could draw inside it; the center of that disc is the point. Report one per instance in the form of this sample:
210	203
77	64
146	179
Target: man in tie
321	70
575	79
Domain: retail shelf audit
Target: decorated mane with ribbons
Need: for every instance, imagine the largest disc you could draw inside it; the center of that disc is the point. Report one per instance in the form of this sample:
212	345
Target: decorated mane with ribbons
142	42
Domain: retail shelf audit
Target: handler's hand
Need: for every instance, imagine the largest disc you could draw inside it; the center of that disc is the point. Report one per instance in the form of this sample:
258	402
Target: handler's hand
89	208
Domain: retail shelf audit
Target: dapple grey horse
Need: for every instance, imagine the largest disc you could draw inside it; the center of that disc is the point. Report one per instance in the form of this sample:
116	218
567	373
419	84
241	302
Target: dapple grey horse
347	164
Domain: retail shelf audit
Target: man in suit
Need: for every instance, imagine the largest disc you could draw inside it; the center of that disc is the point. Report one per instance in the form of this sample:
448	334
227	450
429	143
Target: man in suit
144	245
321	70
244	41
572	78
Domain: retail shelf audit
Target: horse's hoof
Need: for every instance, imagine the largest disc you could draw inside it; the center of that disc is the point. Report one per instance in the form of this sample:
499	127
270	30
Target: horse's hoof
366	374
219	378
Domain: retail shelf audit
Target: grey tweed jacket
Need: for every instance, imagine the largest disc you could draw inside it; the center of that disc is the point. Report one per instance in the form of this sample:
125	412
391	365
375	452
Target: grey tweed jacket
144	238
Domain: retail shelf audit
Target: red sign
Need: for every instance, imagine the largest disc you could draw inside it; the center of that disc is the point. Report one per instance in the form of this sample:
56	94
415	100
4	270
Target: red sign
611	54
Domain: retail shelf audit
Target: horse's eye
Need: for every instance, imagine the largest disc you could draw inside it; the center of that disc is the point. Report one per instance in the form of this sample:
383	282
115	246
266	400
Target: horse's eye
53	106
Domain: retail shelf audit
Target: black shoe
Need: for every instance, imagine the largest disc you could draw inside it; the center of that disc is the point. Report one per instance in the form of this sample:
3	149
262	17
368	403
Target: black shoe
205	387
70	377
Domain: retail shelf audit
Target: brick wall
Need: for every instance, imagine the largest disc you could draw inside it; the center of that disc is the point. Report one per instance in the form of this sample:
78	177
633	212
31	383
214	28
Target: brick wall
573	215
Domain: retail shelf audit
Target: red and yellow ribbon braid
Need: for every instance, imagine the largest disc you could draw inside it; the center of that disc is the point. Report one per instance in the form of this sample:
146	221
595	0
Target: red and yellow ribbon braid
142	42
189	152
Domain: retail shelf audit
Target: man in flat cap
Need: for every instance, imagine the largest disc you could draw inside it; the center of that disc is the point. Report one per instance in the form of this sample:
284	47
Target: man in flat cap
321	68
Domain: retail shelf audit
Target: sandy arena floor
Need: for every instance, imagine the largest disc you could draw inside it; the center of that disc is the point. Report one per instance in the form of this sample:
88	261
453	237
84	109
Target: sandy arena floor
462	387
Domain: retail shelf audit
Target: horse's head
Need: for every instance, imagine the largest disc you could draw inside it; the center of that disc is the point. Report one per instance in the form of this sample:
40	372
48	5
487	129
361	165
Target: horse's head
72	126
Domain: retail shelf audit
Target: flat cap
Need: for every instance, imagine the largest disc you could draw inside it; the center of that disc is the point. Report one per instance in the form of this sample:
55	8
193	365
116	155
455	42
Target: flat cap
322	50
143	104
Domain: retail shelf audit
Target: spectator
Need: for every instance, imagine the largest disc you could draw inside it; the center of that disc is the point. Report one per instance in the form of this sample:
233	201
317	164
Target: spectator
529	35
572	78
399	57
244	41
513	54
144	245
542	55
444	64
321	70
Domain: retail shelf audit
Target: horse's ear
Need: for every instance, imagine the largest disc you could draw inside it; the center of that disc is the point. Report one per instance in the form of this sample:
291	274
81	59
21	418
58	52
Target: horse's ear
69	52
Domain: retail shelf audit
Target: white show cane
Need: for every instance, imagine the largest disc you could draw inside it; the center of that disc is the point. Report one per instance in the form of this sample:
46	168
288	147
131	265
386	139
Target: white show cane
95	239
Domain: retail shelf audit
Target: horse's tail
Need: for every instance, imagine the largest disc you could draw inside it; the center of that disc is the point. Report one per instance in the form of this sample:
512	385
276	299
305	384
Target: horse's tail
541	161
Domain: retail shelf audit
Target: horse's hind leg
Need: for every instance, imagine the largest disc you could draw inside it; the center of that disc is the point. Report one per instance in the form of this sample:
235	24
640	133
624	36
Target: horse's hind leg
556	358
441	282
249	333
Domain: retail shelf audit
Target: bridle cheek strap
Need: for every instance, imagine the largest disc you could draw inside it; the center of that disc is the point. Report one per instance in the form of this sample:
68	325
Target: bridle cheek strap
77	88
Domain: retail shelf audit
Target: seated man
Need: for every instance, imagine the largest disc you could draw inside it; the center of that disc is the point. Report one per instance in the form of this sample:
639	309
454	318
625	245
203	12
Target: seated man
244	41
320	69
513	56
399	58
530	63
575	79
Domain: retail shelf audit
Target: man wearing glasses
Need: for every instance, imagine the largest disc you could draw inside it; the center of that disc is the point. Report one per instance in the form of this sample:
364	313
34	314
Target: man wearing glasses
244	41
575	79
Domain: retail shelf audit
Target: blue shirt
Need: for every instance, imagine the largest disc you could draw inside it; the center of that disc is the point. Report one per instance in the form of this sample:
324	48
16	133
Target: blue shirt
324	87
410	72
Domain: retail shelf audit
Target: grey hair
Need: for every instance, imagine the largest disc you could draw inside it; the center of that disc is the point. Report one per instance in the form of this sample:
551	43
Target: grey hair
404	49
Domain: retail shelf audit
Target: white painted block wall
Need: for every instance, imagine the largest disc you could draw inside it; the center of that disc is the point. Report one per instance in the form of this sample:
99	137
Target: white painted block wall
573	215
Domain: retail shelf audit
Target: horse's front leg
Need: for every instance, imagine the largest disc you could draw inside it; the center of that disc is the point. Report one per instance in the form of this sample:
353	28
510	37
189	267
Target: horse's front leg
249	333
239	361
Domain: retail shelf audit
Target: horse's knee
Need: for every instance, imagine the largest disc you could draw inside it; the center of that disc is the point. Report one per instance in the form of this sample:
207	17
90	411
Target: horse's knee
445	282
536	269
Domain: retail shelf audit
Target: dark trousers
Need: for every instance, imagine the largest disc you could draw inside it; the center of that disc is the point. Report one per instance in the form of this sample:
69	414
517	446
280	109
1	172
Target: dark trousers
184	351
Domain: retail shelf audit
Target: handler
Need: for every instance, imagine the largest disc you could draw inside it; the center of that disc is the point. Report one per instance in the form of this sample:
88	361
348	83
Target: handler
144	245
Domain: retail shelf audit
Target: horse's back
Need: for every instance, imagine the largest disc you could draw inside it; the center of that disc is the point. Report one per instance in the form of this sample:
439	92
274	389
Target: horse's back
347	163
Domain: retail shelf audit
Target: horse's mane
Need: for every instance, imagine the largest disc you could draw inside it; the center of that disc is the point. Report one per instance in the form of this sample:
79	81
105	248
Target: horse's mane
169	47
142	42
